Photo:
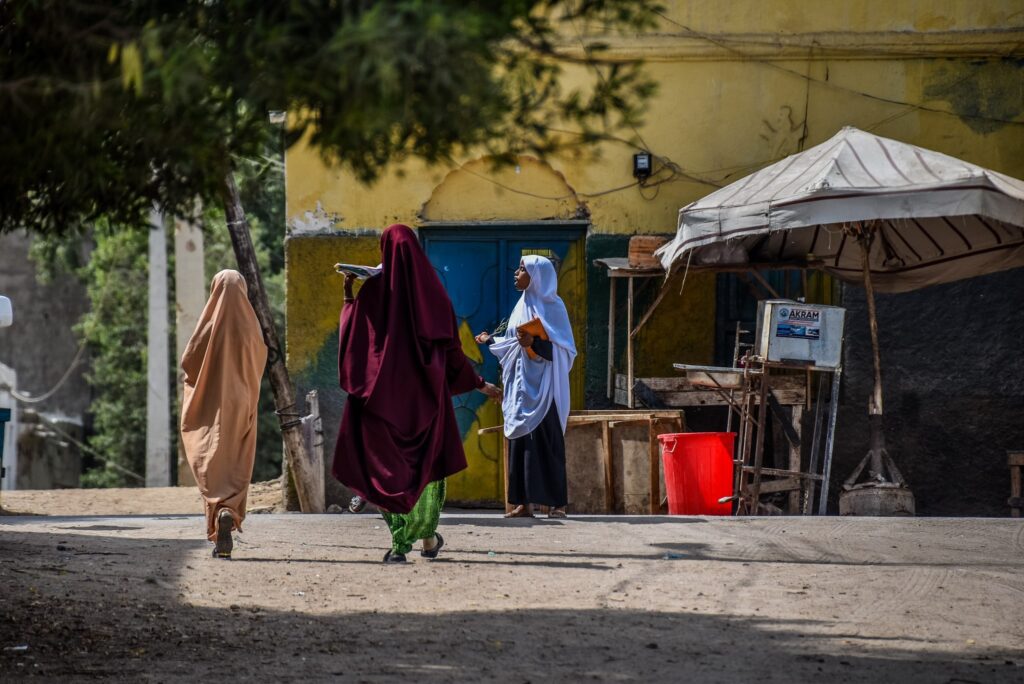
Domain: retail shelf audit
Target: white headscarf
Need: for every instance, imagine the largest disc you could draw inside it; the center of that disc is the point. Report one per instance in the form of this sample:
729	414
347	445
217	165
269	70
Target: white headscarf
532	384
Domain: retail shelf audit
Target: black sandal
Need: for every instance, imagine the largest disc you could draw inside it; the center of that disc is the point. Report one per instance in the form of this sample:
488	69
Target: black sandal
432	553
391	557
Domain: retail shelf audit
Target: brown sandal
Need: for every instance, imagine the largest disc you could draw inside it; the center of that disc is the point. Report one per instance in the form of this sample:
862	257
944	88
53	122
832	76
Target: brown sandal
222	547
556	513
520	511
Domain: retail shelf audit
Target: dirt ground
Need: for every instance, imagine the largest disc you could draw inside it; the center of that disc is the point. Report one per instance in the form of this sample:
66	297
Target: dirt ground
264	497
133	597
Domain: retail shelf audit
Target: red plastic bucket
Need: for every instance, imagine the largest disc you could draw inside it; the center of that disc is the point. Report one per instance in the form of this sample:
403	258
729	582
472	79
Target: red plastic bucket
698	471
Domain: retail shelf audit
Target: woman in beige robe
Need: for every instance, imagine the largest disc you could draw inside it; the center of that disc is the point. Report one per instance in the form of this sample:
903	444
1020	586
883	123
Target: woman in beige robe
223	364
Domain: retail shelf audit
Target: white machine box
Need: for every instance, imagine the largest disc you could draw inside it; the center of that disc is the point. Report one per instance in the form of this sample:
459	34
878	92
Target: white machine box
806	334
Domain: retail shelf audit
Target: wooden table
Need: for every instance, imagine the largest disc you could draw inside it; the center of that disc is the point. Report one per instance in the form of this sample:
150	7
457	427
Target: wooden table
609	420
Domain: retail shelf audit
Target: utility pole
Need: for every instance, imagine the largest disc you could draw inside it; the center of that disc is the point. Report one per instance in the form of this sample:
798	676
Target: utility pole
308	482
190	298
158	407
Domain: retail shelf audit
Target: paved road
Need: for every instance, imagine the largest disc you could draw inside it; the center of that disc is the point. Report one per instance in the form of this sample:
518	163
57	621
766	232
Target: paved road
589	598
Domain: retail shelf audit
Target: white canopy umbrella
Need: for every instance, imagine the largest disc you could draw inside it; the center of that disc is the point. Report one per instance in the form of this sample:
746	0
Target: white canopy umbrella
934	218
867	210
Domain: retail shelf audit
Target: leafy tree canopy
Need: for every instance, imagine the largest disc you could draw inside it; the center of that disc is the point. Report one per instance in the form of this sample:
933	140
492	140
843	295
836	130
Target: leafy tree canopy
111	106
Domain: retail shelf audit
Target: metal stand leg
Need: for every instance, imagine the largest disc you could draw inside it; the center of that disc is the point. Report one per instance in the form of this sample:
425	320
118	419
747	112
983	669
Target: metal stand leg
812	467
830	438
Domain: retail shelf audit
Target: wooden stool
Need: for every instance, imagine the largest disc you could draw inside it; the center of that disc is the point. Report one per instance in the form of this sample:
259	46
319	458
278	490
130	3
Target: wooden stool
1015	459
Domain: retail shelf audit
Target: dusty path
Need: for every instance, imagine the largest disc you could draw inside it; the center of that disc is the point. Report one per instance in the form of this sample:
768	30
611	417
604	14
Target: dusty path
603	599
264	497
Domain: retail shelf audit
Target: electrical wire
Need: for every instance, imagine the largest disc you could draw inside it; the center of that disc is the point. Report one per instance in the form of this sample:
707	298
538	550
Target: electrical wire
677	172
89	450
831	84
29	399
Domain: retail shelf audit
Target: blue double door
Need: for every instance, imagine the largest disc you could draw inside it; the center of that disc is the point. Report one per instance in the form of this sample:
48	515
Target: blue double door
476	267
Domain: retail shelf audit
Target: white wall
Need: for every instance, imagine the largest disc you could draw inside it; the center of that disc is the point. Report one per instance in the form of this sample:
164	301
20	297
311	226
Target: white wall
8	381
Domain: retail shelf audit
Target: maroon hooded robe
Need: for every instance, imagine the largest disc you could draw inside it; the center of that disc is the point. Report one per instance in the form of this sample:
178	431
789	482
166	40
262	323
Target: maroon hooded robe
400	360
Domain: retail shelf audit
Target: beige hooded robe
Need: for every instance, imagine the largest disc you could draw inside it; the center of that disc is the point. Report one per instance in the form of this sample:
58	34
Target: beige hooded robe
223	364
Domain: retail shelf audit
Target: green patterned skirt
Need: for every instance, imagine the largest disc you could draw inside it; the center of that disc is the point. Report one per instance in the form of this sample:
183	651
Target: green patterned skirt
420	522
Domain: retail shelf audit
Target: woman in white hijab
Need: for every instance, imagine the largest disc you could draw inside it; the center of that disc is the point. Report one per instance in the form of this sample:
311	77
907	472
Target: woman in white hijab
535	372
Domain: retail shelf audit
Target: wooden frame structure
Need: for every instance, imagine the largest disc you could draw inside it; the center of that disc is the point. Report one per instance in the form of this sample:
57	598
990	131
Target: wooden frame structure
618	267
609	420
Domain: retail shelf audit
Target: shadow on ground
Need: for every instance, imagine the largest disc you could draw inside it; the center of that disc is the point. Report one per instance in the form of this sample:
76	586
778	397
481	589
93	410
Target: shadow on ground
99	606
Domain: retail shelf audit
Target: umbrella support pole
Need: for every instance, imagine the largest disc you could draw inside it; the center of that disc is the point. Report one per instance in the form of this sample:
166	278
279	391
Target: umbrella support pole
885	492
875	410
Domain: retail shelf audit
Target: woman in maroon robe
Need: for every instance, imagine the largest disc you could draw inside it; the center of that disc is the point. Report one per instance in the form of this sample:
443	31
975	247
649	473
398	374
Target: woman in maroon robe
400	360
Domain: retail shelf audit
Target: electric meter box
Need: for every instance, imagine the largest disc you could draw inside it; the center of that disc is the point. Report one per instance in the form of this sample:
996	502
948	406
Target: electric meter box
801	333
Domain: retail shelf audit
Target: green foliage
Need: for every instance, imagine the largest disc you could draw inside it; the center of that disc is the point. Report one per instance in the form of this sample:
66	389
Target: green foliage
112	106
116	280
116	277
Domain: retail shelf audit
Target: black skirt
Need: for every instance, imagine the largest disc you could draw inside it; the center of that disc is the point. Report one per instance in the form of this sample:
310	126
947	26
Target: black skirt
536	465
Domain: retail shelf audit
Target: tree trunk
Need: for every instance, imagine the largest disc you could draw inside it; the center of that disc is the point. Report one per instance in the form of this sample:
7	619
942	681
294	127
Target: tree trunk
296	457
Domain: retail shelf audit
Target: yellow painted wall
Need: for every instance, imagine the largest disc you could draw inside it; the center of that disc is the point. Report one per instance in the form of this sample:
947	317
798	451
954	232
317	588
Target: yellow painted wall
738	85
315	291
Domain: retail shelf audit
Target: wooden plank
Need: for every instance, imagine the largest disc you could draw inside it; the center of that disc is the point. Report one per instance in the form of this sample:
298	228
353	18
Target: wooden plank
1015	458
796	413
790	484
680	384
762	426
623	417
612	413
711	398
577	418
655	455
631	421
650	312
316	452
778	472
609	464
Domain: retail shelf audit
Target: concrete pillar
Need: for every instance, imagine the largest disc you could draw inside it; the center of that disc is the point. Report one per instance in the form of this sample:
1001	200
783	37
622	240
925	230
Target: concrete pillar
190	295
158	407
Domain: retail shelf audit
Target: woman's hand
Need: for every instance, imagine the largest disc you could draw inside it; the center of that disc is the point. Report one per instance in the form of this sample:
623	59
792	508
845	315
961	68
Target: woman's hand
349	279
492	391
525	339
483	338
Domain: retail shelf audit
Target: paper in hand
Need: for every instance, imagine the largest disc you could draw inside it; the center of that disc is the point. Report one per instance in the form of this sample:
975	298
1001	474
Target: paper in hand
358	270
